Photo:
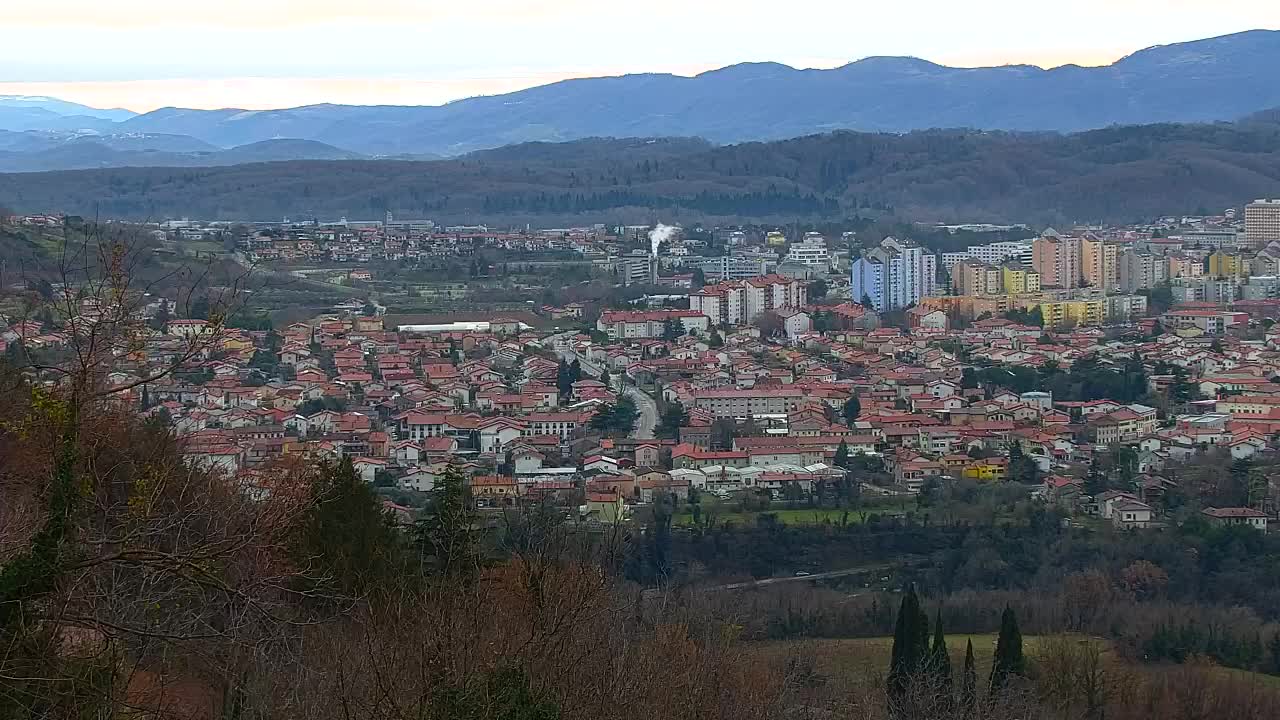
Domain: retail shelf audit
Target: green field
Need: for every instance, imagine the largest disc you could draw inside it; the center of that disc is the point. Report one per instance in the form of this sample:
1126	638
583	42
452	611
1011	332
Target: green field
799	516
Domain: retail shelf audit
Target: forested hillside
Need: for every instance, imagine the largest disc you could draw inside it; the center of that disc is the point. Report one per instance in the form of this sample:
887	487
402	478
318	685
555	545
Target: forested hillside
1118	174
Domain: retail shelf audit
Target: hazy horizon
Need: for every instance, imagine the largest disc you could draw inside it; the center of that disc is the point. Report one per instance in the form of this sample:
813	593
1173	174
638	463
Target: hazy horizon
267	54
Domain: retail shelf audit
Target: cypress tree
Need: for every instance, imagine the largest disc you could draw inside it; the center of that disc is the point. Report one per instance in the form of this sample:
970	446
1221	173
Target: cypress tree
910	650
969	683
1009	660
940	661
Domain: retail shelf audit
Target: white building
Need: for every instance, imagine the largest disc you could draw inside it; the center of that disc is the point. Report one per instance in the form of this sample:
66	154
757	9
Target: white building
733	268
623	324
895	275
811	252
992	254
739	303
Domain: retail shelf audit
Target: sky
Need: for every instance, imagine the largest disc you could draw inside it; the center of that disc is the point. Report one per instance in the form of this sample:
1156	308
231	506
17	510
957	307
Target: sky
257	54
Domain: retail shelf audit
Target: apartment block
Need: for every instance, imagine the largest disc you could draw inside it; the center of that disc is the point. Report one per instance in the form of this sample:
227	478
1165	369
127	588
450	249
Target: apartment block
992	254
1099	264
1224	265
1078	312
976	278
1018	280
1261	223
723	303
895	275
1141	270
738	303
1057	259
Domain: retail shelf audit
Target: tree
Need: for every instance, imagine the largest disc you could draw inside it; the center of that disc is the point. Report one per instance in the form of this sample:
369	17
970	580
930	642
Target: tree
575	370
939	664
866	302
617	419
842	455
969	682
715	341
446	532
723	431
1022	469
1009	660
817	290
1160	298
852	409
604	377
348	540
672	329
769	323
1036	317
162	317
199	308
910	651
564	380
673	418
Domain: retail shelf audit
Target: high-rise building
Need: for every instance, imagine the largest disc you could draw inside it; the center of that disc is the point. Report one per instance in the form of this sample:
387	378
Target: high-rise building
895	275
1261	223
737	303
1099	266
1017	279
867	280
976	278
1223	265
1141	270
1057	259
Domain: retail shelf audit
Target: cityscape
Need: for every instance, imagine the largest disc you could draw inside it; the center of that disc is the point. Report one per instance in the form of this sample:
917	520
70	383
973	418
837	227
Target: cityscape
497	417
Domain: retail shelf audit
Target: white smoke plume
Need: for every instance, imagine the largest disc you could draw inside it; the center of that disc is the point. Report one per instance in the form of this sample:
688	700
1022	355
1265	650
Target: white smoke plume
660	234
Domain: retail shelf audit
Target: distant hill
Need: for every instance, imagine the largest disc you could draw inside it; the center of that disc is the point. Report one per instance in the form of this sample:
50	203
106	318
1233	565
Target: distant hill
1218	79
1117	174
62	107
42	151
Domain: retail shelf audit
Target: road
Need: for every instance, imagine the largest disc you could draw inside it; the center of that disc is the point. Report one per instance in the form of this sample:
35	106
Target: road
752	584
798	578
647	423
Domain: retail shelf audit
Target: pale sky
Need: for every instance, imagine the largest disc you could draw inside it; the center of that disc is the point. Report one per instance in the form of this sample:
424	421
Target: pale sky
144	54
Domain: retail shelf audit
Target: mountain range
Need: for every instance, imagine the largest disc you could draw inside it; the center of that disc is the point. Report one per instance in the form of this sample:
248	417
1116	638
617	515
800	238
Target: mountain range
1120	174
39	151
1217	79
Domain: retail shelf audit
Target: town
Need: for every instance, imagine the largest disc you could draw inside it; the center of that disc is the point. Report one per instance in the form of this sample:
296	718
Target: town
732	371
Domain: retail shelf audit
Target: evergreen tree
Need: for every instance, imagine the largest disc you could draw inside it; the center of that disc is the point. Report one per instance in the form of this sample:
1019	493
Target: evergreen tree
446	532
969	682
852	409
348	540
842	455
564	379
575	370
940	662
910	651
604	378
671	329
1009	660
